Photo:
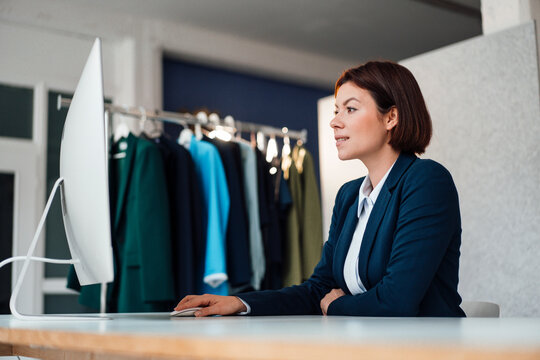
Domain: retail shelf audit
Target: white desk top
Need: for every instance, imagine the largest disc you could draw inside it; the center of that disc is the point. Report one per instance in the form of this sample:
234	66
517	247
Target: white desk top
495	334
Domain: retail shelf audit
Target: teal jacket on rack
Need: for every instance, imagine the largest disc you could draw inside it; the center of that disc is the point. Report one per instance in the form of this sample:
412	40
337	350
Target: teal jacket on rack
141	233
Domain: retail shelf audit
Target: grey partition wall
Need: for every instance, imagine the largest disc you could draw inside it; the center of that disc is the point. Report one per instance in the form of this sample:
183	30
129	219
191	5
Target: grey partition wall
483	96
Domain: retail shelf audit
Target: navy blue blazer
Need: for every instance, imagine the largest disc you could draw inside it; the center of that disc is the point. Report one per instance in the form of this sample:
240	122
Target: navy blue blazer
186	215
409	258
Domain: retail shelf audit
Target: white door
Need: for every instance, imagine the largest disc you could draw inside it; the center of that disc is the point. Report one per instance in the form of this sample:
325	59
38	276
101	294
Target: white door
22	158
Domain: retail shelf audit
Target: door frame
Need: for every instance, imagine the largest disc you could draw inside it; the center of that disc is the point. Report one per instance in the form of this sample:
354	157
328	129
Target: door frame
24	158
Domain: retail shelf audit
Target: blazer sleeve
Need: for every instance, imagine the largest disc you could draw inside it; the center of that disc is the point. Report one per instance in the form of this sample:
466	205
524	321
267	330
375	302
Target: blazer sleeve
428	219
303	299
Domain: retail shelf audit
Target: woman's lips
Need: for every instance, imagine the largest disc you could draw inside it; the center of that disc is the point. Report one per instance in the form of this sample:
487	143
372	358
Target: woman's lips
340	140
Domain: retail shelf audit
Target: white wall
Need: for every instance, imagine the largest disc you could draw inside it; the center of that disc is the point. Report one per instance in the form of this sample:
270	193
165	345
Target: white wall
484	99
498	15
483	95
151	37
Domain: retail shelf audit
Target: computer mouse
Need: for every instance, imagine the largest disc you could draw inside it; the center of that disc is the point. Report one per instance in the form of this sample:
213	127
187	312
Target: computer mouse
185	312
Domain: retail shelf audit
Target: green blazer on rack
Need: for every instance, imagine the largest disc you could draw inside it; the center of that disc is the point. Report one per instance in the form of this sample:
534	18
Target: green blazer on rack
140	232
304	223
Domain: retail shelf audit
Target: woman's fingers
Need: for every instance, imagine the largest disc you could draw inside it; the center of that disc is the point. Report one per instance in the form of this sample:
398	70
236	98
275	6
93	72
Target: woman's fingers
207	311
221	305
323	305
184	300
191	301
329	298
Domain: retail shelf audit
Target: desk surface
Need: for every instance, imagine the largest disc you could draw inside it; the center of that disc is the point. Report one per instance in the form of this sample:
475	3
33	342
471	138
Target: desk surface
297	337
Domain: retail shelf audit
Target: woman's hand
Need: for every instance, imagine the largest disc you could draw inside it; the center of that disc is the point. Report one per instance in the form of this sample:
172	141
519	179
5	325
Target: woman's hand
329	298
212	304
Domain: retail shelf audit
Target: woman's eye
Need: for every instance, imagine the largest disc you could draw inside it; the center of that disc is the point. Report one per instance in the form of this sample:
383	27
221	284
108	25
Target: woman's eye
350	109
336	112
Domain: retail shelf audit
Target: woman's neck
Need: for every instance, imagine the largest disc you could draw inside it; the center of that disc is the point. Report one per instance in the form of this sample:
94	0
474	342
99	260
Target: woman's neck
379	164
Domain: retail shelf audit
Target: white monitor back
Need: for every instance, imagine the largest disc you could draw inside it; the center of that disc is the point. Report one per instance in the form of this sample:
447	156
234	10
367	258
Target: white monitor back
83	166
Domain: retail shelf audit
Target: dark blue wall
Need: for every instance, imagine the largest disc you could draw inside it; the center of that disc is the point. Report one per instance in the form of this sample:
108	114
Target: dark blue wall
190	87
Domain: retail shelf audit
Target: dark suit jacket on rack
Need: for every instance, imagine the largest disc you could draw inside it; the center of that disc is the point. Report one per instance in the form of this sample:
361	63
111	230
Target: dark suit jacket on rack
270	225
187	217
409	256
238	254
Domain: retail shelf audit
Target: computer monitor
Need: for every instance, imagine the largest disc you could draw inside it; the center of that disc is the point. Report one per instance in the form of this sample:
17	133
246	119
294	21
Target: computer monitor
83	166
83	185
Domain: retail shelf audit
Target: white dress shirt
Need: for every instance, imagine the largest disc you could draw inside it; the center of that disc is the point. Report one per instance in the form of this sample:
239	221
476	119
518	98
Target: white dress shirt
366	200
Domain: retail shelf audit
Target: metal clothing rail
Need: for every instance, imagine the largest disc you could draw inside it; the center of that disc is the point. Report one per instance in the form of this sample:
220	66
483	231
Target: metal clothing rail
189	119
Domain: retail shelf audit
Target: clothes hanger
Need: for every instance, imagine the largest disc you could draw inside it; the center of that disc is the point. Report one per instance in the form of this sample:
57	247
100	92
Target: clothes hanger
286	143
272	154
286	160
157	129
120	132
298	155
230	126
202	120
221	132
122	129
261	141
217	132
186	134
154	131
271	149
142	120
237	131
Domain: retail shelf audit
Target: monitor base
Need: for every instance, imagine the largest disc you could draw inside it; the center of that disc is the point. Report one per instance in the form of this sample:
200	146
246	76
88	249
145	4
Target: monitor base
61	317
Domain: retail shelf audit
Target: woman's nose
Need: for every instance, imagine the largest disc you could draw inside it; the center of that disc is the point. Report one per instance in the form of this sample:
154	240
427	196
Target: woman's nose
336	122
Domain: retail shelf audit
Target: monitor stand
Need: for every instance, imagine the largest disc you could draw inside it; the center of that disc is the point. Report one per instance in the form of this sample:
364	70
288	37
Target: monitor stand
29	257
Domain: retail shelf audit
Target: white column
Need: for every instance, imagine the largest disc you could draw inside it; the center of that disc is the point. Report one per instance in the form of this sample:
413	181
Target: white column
503	14
498	15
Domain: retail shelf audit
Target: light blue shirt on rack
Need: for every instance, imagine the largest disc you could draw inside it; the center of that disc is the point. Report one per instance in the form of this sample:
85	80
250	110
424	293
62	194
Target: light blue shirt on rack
210	171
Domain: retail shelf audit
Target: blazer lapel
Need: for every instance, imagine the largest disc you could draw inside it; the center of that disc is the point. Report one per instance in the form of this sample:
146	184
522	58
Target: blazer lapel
343	244
379	209
371	230
125	176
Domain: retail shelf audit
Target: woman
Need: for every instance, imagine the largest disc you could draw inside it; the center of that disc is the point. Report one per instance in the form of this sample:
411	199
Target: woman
393	245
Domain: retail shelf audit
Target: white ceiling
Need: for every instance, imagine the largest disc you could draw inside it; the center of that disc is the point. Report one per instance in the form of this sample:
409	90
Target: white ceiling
353	30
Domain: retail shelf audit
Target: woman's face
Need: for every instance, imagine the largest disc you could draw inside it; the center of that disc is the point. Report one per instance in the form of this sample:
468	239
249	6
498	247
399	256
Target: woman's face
359	129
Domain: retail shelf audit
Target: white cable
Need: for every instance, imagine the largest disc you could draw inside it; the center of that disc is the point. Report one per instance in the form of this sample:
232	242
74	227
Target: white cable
35	258
28	257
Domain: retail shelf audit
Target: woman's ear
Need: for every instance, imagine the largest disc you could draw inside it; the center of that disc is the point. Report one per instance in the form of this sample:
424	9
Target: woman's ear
391	118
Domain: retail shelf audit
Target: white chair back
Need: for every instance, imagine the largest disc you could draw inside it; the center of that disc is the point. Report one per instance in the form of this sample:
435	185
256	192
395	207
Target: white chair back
480	309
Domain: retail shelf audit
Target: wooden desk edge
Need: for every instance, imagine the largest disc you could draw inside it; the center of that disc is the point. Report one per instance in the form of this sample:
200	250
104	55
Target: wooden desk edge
26	341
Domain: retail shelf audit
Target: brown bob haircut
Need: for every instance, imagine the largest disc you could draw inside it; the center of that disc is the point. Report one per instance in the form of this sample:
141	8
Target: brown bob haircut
392	85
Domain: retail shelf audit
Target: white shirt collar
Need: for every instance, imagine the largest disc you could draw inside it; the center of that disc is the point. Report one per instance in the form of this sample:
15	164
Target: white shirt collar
367	192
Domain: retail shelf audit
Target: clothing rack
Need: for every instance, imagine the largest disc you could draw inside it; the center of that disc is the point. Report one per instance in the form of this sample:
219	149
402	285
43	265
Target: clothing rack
189	119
